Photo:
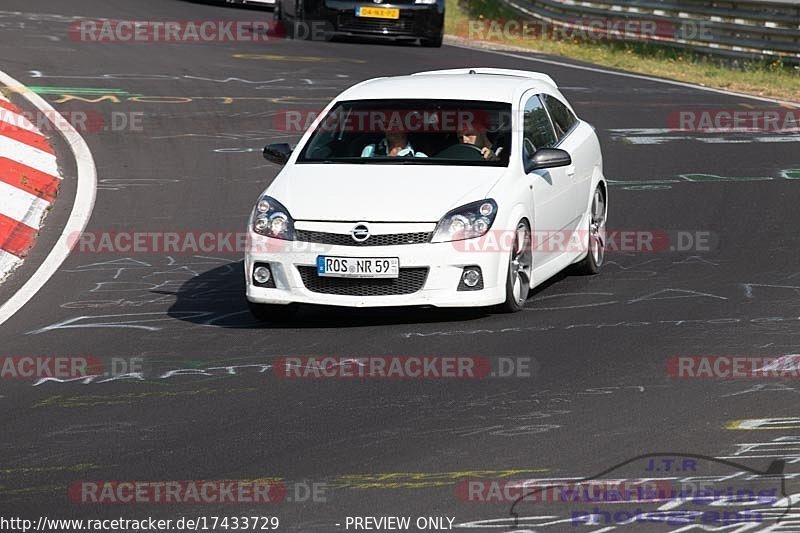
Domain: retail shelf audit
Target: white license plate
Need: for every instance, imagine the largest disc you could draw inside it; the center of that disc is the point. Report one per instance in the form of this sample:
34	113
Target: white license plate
358	267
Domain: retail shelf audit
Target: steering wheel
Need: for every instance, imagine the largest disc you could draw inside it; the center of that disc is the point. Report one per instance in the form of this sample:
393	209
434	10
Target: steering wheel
469	152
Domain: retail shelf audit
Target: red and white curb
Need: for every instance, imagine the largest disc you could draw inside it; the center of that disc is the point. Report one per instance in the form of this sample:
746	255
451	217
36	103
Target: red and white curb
29	181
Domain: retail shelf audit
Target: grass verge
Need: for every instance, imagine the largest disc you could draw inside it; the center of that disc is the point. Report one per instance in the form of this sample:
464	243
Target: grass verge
773	80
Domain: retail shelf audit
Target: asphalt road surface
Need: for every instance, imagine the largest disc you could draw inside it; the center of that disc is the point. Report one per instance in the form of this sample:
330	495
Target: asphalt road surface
597	394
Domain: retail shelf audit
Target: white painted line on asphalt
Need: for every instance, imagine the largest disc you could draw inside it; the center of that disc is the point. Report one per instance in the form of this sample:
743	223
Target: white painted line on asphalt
21	205
81	209
28	155
626	75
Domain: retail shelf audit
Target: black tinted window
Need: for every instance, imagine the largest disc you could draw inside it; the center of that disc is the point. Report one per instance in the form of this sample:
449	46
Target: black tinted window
537	131
563	119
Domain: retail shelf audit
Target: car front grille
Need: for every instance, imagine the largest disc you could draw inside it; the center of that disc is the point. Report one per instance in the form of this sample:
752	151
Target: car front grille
404	24
409	281
345	239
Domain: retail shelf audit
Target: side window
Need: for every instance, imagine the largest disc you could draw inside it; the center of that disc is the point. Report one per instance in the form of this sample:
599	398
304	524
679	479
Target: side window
563	119
537	128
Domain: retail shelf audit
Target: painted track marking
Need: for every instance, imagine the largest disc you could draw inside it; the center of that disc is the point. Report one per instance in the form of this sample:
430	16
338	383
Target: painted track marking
81	208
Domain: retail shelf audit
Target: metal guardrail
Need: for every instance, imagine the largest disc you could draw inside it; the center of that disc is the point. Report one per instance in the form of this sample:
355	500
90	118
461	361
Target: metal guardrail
751	29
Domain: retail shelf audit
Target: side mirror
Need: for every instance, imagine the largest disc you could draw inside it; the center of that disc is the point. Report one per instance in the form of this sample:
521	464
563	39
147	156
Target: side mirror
278	152
547	158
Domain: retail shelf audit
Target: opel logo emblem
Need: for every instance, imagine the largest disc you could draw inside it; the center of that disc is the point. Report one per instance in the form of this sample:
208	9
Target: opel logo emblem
360	233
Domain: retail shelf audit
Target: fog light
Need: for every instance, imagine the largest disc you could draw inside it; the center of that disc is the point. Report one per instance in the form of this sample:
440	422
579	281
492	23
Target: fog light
471	277
261	274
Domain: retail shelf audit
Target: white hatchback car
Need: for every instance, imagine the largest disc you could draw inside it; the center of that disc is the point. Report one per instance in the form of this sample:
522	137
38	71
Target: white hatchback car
454	188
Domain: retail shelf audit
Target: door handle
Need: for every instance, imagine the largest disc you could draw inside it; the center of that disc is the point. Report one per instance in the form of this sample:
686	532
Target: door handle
571	171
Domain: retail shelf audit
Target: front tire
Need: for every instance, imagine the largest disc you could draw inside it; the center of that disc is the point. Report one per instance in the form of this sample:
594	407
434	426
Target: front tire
520	266
272	312
596	252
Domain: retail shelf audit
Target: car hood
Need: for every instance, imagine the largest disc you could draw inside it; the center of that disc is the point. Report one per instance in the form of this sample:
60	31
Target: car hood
379	193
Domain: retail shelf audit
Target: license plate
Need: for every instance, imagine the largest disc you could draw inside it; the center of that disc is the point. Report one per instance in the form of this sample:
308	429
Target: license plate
378	12
358	267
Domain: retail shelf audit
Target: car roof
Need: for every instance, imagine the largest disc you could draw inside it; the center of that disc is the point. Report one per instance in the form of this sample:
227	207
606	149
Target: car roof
487	84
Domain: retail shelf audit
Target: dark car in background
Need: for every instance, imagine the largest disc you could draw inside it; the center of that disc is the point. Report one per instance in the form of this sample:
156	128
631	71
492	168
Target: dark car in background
262	3
385	19
246	3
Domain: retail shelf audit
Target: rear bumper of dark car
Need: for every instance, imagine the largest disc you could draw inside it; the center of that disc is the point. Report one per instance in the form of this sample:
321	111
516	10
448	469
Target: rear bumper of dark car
417	21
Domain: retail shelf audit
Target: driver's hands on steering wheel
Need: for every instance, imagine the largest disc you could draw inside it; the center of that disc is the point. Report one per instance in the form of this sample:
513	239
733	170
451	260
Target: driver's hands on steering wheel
488	154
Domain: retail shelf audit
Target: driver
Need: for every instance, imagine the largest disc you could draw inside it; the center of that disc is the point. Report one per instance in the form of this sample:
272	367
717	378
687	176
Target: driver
394	144
474	132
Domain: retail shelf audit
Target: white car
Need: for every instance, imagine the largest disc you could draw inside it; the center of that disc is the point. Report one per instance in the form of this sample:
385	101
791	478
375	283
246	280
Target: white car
454	188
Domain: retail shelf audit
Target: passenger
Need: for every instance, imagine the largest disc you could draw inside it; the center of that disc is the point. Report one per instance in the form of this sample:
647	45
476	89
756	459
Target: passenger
394	144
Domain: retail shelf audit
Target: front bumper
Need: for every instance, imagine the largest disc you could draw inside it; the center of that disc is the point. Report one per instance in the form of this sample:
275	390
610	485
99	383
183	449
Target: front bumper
445	263
416	21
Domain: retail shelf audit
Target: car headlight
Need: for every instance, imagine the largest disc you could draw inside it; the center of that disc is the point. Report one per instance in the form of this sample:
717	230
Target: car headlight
466	222
270	218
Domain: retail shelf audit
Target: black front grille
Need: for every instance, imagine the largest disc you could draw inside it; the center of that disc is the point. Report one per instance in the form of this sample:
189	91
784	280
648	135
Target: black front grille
345	239
373	25
410	281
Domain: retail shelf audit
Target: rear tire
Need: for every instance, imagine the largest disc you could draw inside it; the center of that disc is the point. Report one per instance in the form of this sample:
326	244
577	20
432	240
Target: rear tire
432	43
281	26
273	312
289	23
520	266
596	249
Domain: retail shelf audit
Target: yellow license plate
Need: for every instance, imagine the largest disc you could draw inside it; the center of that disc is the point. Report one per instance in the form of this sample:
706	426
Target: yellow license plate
378	12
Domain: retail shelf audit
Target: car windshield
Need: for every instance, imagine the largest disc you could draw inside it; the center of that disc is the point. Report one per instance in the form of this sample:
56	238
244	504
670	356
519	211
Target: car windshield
419	132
